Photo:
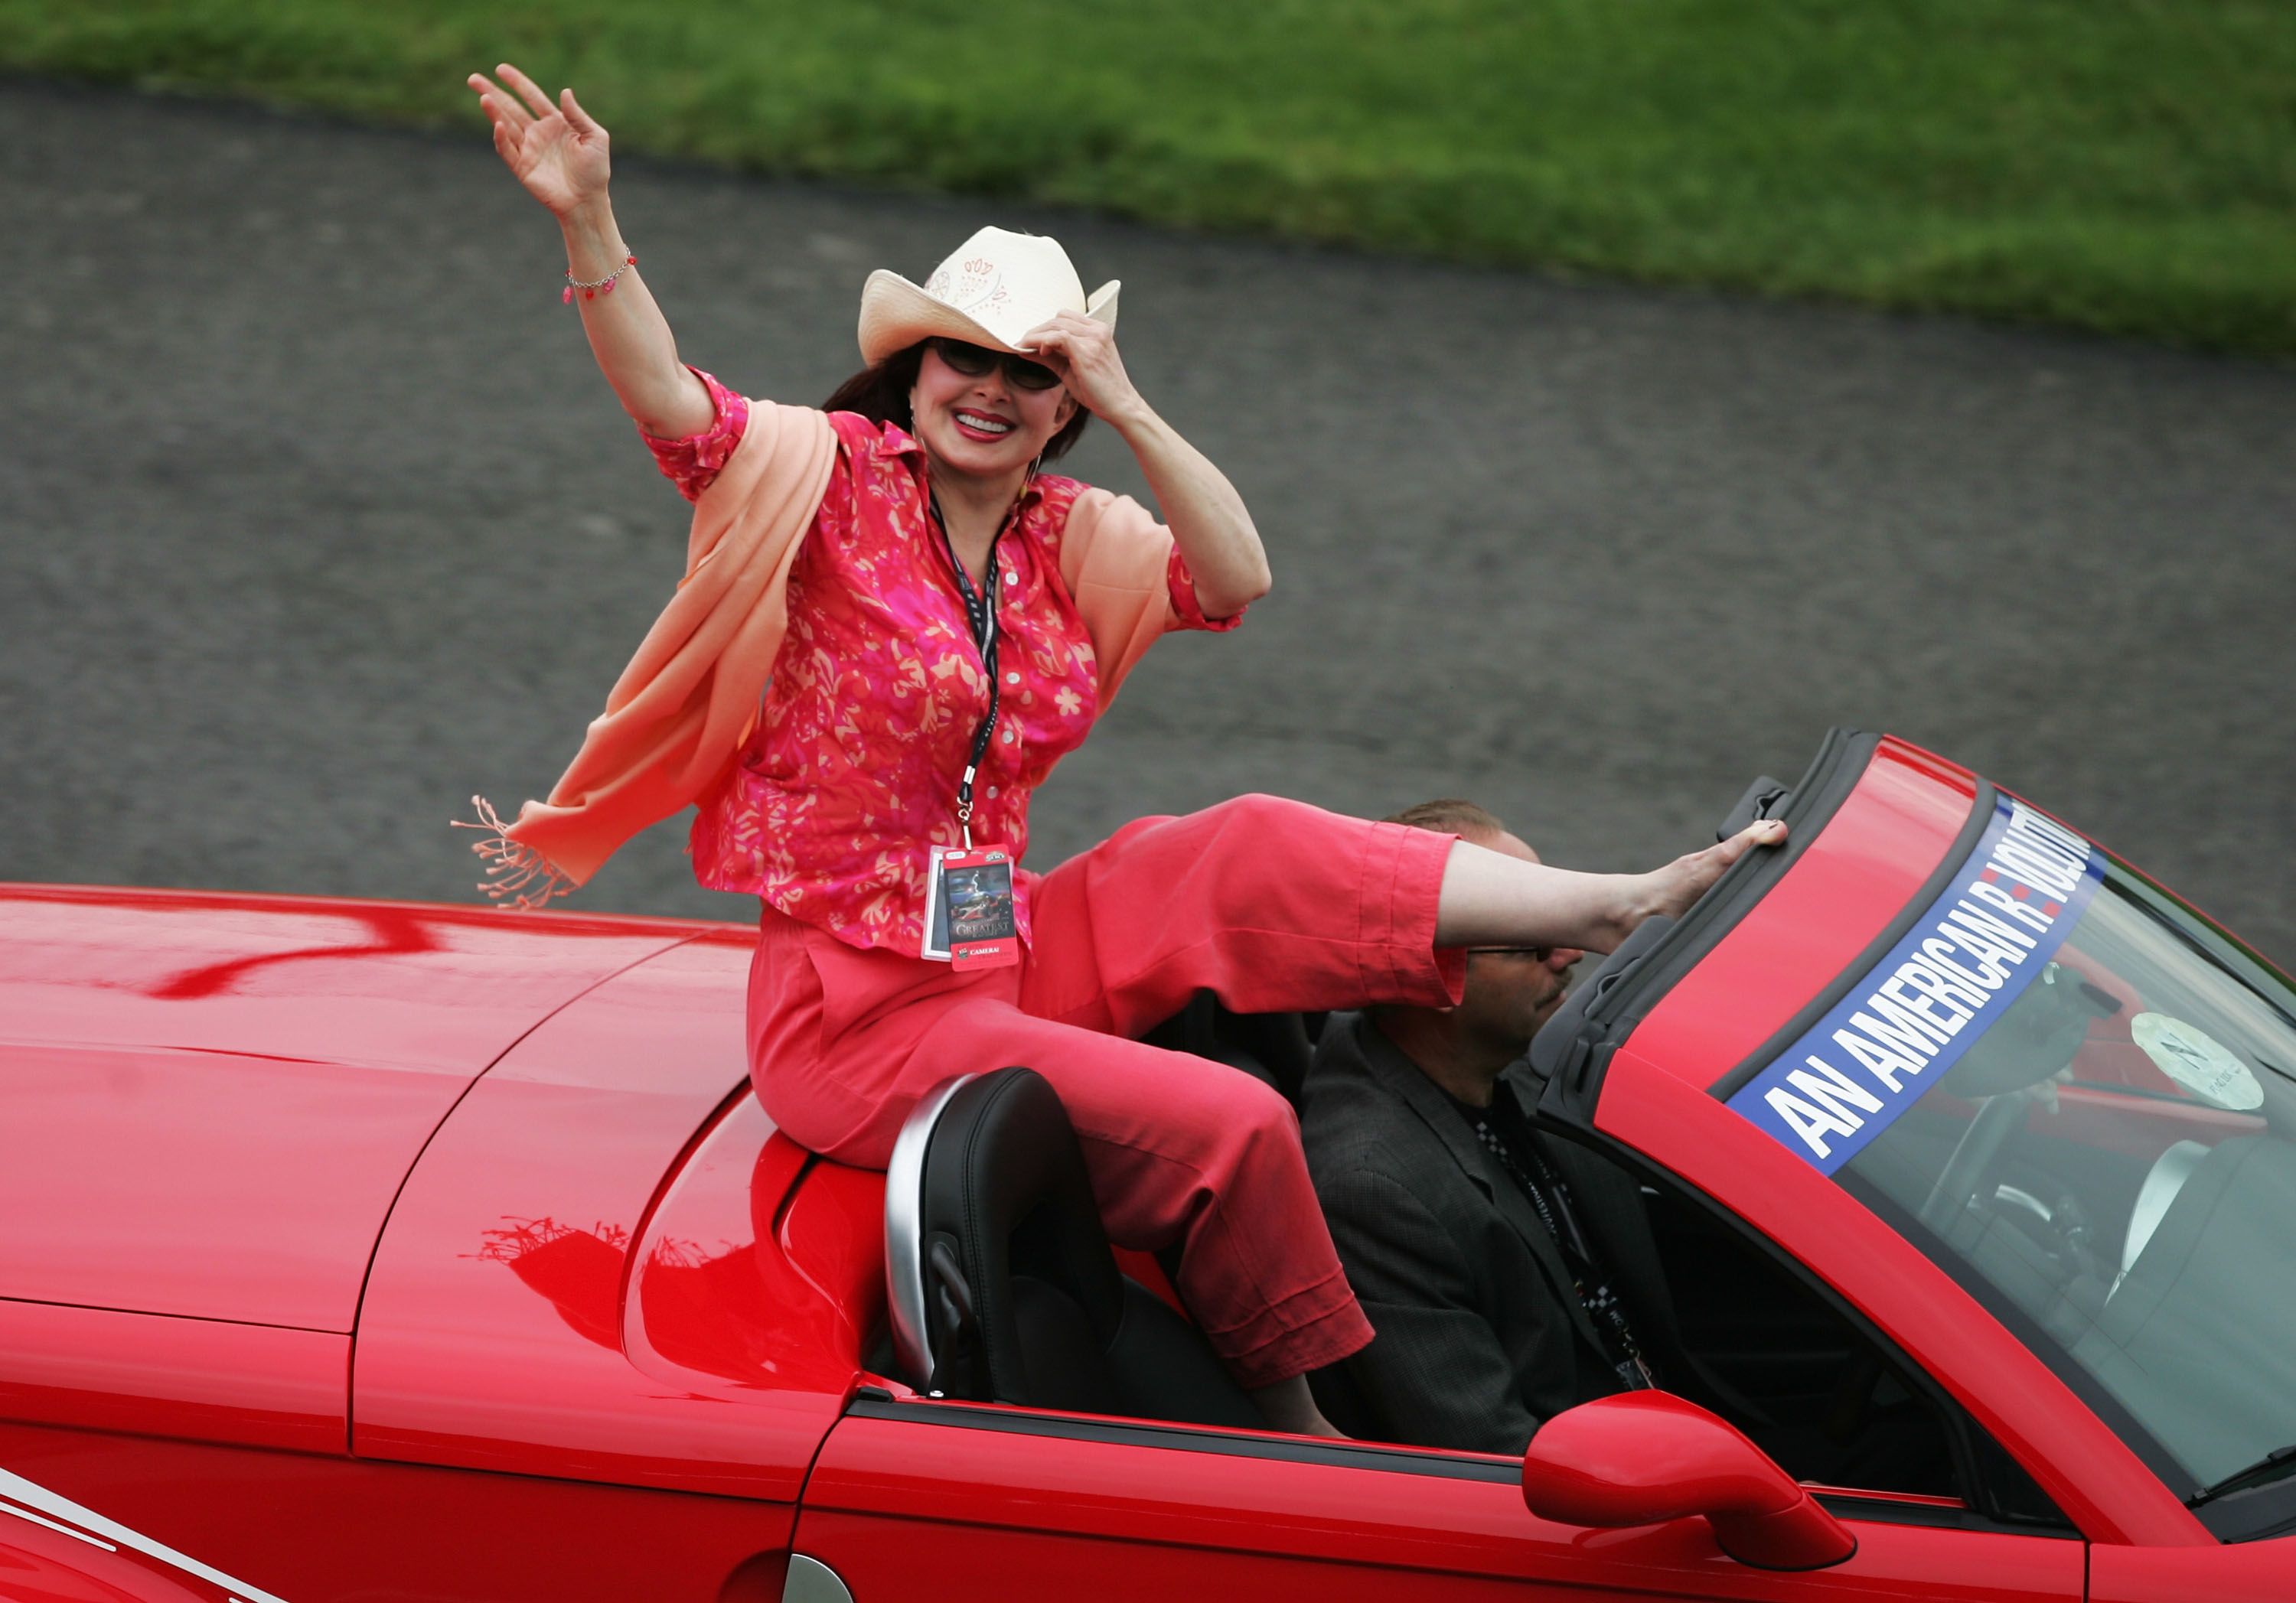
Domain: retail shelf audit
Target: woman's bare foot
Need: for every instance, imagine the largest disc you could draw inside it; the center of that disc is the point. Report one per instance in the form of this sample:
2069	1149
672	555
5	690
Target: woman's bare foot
1490	899
1670	890
1291	1406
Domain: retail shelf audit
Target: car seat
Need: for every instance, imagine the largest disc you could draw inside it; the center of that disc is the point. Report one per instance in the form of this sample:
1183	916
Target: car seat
1000	1279
1273	1047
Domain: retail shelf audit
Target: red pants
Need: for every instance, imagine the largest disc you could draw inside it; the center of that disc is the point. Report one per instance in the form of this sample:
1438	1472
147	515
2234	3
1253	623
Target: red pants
1274	906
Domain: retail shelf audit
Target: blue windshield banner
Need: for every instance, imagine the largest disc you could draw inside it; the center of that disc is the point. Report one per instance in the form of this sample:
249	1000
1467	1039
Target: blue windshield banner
1960	966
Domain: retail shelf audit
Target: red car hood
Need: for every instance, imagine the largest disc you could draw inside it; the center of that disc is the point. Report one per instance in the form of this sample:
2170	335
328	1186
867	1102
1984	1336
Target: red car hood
210	1101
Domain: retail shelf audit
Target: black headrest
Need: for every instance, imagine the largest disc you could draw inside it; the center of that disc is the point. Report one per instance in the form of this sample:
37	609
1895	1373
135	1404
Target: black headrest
1005	1186
1000	1279
1272	1047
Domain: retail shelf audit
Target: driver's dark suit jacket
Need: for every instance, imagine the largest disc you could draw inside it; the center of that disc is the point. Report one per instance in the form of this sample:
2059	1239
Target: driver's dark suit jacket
1479	1335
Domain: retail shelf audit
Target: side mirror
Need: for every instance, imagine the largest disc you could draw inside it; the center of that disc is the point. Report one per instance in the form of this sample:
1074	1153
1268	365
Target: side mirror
1640	1458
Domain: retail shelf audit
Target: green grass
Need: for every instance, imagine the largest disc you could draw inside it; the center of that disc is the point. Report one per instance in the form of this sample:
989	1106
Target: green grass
2127	166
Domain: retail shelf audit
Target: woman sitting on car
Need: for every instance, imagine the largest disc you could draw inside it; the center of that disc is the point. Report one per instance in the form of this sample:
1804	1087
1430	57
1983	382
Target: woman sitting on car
894	622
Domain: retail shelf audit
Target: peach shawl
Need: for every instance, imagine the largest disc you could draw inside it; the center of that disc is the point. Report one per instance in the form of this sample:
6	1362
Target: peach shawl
676	720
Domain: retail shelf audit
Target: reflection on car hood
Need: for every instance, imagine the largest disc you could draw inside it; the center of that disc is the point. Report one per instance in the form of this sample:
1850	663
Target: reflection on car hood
212	1100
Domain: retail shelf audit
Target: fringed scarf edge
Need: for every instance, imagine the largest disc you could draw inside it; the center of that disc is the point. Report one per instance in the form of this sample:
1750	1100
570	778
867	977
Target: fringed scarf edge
517	875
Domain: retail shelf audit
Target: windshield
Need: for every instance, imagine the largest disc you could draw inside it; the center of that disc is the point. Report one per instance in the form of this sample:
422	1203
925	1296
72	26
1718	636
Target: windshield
2075	1095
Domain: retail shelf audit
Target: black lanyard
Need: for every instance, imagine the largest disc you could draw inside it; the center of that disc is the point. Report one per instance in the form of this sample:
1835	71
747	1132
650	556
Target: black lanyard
980	612
1552	1200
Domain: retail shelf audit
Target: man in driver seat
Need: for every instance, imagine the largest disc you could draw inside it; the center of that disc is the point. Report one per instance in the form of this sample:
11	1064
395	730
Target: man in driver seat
1508	1275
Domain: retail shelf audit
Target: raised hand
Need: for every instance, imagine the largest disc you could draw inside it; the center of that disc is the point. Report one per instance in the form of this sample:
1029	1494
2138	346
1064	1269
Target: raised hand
1083	351
557	151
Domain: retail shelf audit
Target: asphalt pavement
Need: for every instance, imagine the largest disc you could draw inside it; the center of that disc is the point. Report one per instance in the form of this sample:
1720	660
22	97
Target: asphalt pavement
315	518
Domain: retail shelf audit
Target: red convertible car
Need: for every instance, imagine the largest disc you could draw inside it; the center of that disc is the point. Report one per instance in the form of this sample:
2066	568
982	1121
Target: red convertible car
375	1252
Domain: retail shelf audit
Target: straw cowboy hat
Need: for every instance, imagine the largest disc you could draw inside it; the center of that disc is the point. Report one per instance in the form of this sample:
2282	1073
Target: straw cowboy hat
991	291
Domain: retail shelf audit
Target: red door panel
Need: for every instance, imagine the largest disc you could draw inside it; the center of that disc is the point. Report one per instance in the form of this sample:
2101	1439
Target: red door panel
41	1566
978	1504
338	1530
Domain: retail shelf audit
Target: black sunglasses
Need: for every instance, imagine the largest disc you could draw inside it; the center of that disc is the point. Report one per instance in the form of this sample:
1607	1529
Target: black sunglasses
1536	955
973	360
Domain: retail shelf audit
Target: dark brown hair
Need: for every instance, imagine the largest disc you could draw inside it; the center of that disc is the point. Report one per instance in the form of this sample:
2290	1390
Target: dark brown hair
1449	817
880	392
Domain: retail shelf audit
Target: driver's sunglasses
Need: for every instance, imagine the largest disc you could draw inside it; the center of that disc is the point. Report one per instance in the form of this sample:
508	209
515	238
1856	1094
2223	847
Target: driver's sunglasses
974	360
1536	955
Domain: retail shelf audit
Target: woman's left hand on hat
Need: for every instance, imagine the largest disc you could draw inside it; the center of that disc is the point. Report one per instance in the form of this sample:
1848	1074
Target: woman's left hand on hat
1083	351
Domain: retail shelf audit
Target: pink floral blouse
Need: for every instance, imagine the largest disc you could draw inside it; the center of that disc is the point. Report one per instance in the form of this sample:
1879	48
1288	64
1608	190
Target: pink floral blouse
852	769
